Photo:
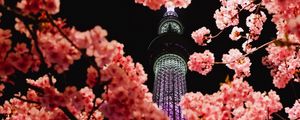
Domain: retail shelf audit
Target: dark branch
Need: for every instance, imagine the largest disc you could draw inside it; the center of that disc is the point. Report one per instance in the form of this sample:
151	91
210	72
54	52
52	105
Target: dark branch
68	113
25	100
51	20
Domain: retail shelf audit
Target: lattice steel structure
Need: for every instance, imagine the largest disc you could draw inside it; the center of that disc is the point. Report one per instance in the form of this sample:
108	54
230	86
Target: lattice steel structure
169	83
168	58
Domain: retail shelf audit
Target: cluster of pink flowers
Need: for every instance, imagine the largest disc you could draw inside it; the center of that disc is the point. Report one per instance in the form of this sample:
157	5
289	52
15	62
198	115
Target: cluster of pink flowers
35	6
16	109
79	103
5	46
293	26
201	62
235	60
294	112
284	61
285	15
57	51
17	58
235	100
20	26
255	23
247	4
227	15
236	33
92	76
126	96
96	44
247	47
202	36
156	4
2	87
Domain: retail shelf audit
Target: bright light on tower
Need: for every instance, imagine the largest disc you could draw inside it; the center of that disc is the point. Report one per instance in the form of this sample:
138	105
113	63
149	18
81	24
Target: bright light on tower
171	8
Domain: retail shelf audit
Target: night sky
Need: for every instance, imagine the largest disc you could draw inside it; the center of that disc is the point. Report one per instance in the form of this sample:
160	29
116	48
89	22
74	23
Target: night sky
135	26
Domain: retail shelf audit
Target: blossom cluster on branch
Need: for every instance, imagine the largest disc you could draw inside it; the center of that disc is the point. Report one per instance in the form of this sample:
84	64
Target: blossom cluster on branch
234	100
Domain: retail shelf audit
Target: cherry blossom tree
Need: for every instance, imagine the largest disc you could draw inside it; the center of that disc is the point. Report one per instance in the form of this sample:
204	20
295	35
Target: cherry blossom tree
113	84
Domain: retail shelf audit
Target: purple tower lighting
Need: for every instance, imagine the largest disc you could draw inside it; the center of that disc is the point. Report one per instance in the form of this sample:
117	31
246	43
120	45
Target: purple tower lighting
169	84
168	55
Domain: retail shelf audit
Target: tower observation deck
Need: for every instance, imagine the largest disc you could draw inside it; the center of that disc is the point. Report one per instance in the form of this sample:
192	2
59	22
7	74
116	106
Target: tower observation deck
168	56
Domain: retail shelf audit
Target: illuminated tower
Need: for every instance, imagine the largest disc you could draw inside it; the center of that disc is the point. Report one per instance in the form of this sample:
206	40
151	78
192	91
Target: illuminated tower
168	55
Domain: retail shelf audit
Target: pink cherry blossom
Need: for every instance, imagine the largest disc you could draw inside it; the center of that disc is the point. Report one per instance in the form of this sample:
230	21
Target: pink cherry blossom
201	36
152	4
294	112
293	26
181	3
201	62
283	62
20	110
2	2
57	51
91	76
20	26
227	15
5	43
6	69
247	47
247	5
21	62
236	33
234	60
285	15
156	4
234	100
255	23
21	48
35	6
126	96
52	6
2	87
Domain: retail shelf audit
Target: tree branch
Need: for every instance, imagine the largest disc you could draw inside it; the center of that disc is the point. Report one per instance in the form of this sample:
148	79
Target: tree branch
35	40
68	113
51	20
279	116
25	100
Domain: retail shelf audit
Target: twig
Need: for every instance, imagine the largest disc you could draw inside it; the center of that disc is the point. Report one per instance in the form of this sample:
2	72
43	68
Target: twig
35	40
68	113
245	55
51	20
258	48
25	100
216	34
94	108
219	63
17	13
279	116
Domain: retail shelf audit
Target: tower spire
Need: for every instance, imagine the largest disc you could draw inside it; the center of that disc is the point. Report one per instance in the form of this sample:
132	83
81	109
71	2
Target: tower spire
170	22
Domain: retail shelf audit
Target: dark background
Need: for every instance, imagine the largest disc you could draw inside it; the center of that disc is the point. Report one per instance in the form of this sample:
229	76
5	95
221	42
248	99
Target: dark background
135	26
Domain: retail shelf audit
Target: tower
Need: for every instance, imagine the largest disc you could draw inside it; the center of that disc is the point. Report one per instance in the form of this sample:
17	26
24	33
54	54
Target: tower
168	54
